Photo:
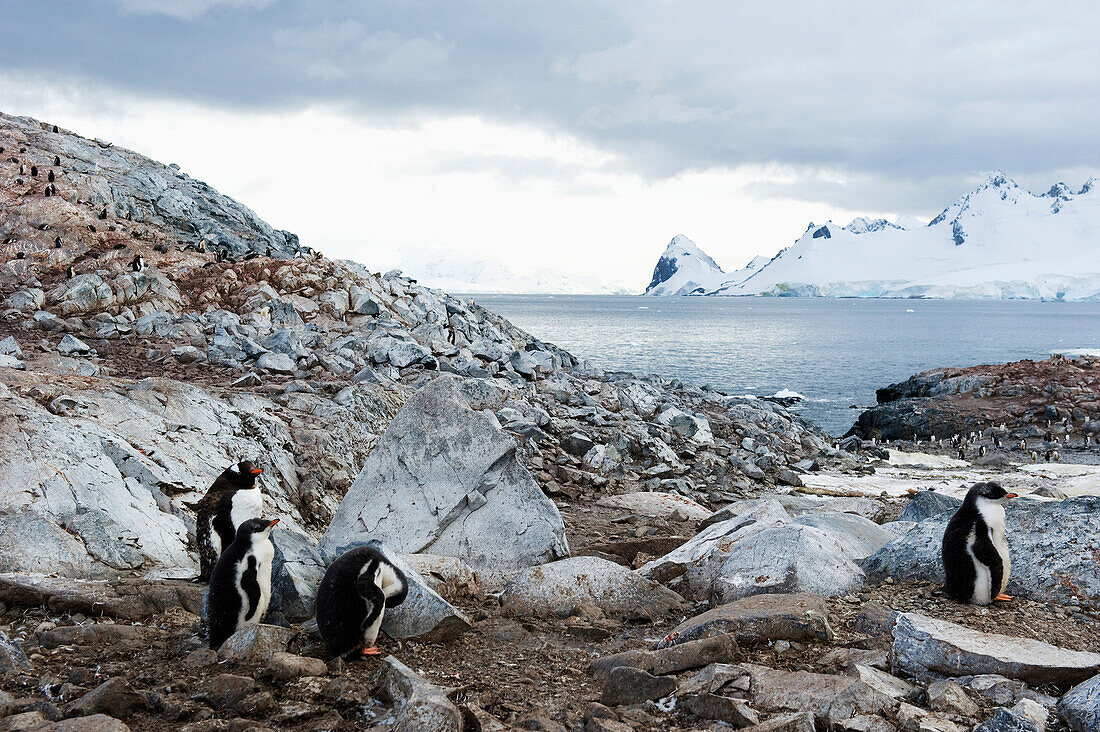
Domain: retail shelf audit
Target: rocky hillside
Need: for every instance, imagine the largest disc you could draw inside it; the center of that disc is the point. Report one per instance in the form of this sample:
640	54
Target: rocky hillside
585	549
126	393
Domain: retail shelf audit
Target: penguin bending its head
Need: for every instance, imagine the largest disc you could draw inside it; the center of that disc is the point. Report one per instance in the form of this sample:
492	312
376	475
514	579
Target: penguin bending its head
233	498
353	597
240	585
976	564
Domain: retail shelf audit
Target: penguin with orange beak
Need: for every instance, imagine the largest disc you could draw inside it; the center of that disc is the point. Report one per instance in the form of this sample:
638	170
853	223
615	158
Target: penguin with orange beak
976	562
240	585
232	499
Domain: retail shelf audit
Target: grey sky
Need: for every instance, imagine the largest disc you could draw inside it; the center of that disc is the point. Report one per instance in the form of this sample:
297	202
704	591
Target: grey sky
907	100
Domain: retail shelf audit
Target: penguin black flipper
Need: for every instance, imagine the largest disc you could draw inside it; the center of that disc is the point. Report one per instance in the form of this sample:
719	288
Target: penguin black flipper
958	569
251	586
987	554
373	597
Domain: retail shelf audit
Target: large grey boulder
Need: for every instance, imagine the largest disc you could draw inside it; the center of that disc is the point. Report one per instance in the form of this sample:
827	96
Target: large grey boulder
560	589
1053	545
923	644
1079	708
716	536
445	479
296	572
926	504
759	552
859	537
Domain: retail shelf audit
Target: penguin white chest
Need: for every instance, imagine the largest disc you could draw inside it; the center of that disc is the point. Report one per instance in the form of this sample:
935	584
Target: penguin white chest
370	632
262	552
246	505
993	514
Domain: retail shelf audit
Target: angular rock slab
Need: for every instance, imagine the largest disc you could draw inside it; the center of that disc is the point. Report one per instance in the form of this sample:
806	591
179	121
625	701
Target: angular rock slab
256	643
419	704
798	617
559	589
1079	708
127	598
656	504
832	698
1053	545
296	573
927	644
445	479
424	613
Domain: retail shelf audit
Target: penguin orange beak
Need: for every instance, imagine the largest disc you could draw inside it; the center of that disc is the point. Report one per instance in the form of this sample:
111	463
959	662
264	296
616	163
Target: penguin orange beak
1011	495
256	471
273	523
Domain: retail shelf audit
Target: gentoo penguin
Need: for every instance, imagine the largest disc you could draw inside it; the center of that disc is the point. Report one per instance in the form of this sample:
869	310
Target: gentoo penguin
231	500
51	177
57	160
70	272
353	596
975	555
57	242
240	585
34	171
138	263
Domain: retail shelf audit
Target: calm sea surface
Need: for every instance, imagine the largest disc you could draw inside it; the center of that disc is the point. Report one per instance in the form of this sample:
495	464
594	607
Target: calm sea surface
834	352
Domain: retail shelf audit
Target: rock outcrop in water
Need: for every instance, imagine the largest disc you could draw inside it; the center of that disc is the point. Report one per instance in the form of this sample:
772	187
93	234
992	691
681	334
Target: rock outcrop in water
1051	404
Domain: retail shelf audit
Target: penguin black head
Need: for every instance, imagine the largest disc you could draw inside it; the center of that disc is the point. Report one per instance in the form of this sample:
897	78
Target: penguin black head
251	527
247	473
988	490
57	160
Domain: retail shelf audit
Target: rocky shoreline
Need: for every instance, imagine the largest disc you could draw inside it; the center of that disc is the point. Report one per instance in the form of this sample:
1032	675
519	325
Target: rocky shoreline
588	549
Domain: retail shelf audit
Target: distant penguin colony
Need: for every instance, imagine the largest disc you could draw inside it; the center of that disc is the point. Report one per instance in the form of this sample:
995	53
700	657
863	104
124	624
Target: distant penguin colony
232	499
976	563
352	600
240	585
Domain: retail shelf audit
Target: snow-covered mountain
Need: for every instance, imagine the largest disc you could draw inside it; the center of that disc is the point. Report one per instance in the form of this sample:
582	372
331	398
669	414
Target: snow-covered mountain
453	272
997	242
685	269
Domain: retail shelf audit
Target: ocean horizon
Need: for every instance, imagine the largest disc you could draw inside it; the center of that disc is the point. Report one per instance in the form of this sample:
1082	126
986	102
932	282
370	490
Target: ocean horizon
834	352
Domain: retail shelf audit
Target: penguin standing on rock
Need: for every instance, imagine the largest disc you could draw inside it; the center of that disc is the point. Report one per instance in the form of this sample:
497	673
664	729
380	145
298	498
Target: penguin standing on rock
240	585
232	499
975	555
353	596
138	264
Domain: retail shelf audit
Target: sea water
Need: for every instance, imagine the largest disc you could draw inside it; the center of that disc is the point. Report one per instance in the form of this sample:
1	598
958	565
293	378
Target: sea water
834	352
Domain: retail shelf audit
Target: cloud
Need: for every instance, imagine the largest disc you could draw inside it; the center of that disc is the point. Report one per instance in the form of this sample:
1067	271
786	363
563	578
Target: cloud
896	106
186	9
349	49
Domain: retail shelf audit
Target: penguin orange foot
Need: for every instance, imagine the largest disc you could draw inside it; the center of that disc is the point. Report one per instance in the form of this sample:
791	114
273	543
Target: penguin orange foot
372	651
1003	597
